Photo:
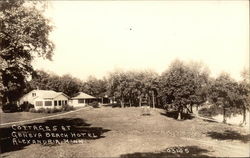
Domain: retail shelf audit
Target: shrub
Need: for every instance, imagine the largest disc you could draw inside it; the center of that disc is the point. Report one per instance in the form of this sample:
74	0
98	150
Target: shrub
10	108
26	106
52	110
41	110
32	110
47	110
94	104
67	107
210	111
57	110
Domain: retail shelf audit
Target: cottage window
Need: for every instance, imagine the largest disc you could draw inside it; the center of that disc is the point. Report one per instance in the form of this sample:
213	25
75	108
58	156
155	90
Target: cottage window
62	102
48	103
66	102
39	103
33	94
55	103
59	102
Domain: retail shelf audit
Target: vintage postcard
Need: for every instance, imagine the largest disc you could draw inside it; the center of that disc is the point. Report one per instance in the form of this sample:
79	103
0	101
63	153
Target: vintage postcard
124	78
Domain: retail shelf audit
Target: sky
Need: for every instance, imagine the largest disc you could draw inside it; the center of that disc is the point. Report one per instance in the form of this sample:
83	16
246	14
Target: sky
95	38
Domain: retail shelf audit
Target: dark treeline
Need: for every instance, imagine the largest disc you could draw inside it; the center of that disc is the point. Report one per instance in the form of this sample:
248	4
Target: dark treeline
181	87
67	84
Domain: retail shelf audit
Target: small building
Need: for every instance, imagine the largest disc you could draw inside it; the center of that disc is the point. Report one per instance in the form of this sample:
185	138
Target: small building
45	99
81	99
104	99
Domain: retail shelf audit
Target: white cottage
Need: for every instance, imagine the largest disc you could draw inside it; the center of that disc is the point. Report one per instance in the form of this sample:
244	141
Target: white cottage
82	99
45	99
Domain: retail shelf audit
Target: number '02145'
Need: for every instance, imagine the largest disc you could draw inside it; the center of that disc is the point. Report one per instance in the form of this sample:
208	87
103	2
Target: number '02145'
177	150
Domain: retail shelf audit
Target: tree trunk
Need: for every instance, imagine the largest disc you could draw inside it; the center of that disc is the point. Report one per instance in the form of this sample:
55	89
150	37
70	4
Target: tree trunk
179	116
153	99
191	108
224	115
244	115
140	101
149	101
122	102
130	102
7	100
179	113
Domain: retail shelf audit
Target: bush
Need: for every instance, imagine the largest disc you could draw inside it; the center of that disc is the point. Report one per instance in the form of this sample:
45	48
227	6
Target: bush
26	107
94	104
48	110
67	107
10	108
210	111
57	110
41	110
32	110
52	110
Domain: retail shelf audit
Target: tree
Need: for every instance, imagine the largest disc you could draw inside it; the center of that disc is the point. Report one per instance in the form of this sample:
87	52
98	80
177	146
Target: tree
49	81
181	85
150	86
39	81
201	80
131	86
94	86
243	99
69	85
24	34
223	92
123	86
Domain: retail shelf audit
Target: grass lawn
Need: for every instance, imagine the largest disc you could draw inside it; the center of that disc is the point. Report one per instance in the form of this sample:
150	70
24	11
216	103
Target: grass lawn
127	133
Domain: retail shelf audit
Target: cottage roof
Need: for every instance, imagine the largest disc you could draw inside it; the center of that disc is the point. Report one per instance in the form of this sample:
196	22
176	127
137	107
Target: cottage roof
45	94
82	95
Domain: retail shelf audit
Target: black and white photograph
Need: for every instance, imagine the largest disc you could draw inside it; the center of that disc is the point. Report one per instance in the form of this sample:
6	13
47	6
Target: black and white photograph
124	78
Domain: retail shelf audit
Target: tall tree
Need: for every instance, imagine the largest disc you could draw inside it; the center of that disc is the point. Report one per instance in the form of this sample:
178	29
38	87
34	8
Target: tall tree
94	86
243	99
69	85
150	84
24	34
181	86
201	79
223	92
49	81
117	86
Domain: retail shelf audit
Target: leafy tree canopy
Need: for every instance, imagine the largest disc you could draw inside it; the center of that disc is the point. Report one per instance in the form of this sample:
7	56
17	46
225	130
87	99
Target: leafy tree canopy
183	84
24	35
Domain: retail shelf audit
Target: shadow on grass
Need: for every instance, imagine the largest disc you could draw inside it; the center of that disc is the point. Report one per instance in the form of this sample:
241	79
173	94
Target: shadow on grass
187	151
229	135
174	115
210	120
48	133
113	105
